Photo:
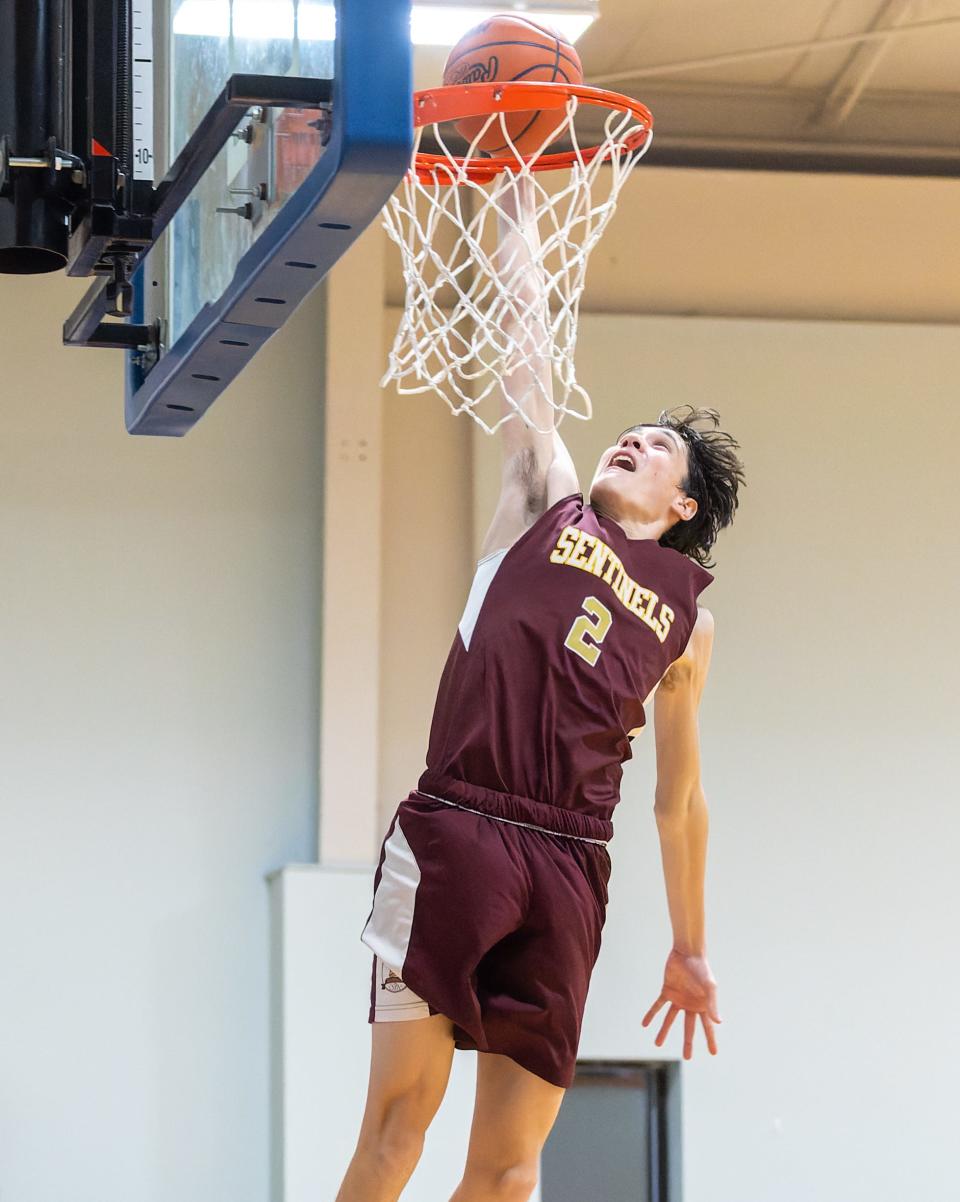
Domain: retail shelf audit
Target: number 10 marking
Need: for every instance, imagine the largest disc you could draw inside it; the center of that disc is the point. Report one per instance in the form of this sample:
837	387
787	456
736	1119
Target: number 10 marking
143	89
593	627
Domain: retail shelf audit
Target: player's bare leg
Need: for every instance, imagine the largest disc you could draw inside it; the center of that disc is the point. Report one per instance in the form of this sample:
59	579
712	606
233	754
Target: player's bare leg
409	1070
512	1117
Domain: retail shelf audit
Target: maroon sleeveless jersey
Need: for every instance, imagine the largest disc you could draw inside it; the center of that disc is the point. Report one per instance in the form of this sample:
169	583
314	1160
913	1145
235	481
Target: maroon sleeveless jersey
564	637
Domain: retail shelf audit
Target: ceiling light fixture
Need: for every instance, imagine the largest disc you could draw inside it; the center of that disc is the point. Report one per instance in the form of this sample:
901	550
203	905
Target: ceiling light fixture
440	23
432	22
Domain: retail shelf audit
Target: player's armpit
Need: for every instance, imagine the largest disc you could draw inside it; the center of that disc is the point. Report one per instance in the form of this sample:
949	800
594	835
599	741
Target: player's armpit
540	472
534	477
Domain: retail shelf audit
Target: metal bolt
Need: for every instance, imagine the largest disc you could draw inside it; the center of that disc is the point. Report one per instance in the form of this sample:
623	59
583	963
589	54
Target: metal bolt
245	211
259	192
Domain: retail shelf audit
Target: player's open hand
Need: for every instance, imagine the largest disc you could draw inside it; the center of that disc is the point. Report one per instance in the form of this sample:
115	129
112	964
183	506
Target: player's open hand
688	985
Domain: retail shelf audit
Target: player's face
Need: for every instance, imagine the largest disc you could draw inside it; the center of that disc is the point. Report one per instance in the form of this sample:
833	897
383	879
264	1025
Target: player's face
639	478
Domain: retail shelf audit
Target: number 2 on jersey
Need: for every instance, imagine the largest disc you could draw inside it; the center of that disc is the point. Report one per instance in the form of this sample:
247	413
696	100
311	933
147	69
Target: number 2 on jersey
592	625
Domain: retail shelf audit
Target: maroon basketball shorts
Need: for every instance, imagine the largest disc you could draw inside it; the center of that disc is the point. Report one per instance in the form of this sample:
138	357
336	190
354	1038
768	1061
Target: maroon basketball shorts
488	908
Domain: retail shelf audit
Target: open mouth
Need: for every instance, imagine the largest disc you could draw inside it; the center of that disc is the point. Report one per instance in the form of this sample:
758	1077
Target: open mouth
623	461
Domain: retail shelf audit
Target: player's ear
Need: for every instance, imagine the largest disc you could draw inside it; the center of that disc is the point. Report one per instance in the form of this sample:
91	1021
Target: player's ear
685	506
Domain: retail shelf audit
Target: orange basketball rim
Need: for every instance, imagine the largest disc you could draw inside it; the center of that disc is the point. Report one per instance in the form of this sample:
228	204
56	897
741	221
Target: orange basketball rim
454	102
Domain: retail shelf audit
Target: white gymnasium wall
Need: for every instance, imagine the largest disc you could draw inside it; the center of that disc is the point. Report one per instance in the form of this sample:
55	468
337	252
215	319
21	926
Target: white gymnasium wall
159	642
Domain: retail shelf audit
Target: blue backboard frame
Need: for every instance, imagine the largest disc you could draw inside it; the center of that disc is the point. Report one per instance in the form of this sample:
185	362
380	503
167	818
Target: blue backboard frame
369	151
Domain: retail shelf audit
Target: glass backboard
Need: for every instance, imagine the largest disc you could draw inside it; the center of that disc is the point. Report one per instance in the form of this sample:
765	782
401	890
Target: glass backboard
265	160
287	193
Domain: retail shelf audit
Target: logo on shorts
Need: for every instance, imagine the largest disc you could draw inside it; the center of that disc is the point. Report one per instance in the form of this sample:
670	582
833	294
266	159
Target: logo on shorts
390	980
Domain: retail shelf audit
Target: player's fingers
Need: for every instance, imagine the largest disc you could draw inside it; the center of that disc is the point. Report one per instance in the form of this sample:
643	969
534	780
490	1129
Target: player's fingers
652	1012
667	1024
710	1034
689	1026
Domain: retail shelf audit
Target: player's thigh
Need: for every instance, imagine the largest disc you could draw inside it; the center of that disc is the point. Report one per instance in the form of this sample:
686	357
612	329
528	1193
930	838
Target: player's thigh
410	1065
513	1114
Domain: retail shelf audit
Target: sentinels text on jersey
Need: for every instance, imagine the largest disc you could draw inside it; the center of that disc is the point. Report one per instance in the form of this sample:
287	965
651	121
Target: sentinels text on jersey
564	637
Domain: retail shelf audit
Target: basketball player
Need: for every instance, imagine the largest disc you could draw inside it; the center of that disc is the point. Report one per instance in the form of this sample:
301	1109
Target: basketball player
491	889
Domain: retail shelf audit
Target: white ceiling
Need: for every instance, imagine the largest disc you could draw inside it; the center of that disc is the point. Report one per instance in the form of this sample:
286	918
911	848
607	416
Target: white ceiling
638	34
891	103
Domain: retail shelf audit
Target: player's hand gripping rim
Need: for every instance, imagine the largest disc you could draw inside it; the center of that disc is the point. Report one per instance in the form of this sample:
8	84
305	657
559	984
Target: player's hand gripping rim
688	985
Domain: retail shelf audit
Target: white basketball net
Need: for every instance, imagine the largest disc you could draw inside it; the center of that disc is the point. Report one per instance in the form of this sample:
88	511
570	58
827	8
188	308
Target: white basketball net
454	336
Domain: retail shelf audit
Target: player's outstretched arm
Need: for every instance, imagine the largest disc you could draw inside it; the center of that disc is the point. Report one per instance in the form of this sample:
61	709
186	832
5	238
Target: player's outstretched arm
682	822
537	469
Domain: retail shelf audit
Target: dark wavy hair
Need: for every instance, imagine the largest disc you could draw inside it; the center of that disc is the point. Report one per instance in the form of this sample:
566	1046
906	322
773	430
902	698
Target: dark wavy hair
713	479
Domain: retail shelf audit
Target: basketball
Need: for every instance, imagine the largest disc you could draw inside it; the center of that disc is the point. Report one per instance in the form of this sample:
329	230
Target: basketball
507	48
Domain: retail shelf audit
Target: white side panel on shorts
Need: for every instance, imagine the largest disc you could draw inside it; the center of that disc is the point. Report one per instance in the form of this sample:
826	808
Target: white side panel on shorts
486	570
394	1000
388	928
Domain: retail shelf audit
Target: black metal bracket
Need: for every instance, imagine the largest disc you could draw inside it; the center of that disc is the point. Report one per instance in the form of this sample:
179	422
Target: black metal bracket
112	244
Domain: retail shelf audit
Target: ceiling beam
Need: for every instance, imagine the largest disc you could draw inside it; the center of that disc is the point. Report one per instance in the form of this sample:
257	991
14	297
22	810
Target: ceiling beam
852	81
743	56
853	158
